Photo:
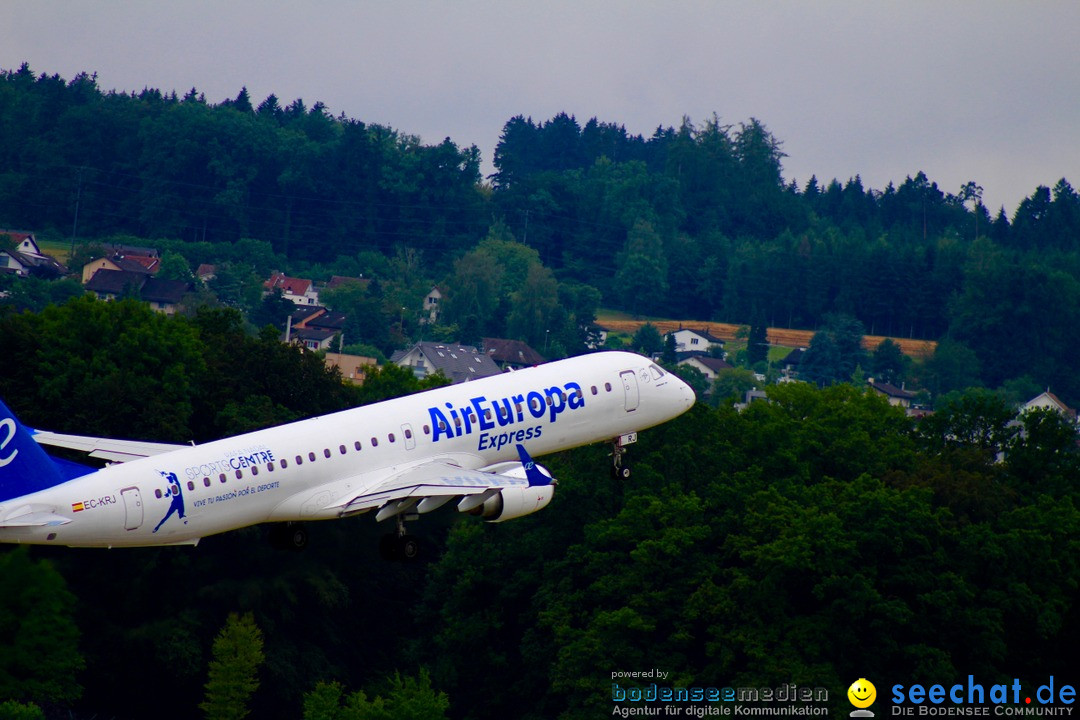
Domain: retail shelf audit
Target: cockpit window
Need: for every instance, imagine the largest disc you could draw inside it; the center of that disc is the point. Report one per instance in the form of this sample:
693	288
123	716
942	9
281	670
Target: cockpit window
657	372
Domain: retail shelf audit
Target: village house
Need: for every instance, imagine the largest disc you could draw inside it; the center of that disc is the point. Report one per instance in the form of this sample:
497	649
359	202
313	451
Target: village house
352	367
459	363
511	354
710	367
300	291
431	306
1048	401
687	340
121	262
897	396
164	296
26	258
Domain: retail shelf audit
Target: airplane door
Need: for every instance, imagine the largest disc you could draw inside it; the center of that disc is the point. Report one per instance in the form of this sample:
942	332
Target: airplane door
133	508
407	433
630	389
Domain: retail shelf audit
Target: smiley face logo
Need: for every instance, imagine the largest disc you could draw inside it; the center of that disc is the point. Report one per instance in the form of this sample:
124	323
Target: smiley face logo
862	693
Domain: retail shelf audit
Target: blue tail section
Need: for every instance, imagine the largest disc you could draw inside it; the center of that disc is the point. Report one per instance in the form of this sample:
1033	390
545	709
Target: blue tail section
24	466
532	473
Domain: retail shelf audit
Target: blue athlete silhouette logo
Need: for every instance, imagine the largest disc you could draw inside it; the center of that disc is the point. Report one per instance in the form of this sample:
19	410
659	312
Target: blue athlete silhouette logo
177	504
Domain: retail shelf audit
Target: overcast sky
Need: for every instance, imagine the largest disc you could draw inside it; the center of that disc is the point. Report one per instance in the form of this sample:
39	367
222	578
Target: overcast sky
986	91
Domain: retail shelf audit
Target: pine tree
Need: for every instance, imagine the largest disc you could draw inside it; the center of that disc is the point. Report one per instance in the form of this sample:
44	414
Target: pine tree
237	655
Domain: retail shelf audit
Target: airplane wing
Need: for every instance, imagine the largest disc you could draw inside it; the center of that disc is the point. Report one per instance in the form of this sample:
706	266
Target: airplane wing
103	448
431	485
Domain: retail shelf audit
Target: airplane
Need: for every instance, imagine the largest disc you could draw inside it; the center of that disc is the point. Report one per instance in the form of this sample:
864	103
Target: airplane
401	458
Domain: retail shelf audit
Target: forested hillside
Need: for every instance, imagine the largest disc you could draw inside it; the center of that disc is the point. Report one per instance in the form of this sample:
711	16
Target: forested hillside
694	221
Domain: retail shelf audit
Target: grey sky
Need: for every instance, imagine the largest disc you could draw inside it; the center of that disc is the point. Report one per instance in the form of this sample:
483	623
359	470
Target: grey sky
986	91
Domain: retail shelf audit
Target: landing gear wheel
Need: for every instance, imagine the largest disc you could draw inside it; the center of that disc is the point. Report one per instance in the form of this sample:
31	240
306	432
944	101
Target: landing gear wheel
399	548
298	537
289	536
408	548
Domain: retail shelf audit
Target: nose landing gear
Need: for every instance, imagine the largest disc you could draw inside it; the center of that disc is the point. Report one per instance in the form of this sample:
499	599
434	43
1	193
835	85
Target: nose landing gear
620	463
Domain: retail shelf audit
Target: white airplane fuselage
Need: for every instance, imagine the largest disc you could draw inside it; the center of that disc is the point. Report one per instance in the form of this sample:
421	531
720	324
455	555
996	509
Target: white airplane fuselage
299	471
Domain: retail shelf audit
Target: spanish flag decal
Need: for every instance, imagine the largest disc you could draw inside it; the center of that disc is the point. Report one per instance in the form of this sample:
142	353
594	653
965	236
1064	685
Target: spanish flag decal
77	507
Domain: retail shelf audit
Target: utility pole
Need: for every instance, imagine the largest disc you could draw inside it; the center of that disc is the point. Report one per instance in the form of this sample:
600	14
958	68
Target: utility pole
75	224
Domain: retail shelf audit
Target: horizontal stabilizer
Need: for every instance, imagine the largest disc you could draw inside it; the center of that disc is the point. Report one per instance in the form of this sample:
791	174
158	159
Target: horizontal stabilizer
35	519
108	449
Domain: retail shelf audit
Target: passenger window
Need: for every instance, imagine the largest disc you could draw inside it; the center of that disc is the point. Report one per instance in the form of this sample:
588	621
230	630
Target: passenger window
206	481
391	437
191	485
239	474
607	386
311	456
408	434
357	445
299	460
221	477
594	390
342	450
254	469
284	463
157	493
427	430
374	442
270	467
326	452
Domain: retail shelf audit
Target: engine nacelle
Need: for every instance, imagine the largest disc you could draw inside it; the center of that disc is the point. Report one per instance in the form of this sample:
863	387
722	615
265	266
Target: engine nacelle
514	502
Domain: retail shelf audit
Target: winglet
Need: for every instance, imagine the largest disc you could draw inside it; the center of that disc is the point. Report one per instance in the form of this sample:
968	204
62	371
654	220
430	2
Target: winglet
532	473
24	466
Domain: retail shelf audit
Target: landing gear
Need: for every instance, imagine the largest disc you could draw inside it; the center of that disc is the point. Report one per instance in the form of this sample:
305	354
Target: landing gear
289	536
620	463
399	546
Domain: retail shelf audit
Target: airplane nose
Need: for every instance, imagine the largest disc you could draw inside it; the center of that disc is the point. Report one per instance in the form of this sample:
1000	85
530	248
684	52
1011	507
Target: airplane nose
686	395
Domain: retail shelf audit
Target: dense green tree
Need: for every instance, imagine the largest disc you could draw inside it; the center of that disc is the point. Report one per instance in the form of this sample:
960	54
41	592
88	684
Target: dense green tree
406	698
39	654
835	351
888	362
731	385
237	655
648	340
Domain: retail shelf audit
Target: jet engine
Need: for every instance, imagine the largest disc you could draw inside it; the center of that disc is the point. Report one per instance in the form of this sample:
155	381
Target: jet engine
514	502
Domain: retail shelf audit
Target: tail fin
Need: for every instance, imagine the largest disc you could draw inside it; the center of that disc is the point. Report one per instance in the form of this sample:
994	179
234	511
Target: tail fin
24	466
532	473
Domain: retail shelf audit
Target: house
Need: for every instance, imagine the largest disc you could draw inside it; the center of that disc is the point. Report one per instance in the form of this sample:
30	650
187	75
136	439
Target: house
206	272
431	306
792	362
1048	401
895	395
513	354
300	290
352	367
709	366
137	250
312	338
141	264
459	363
110	284
26	258
687	340
164	296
